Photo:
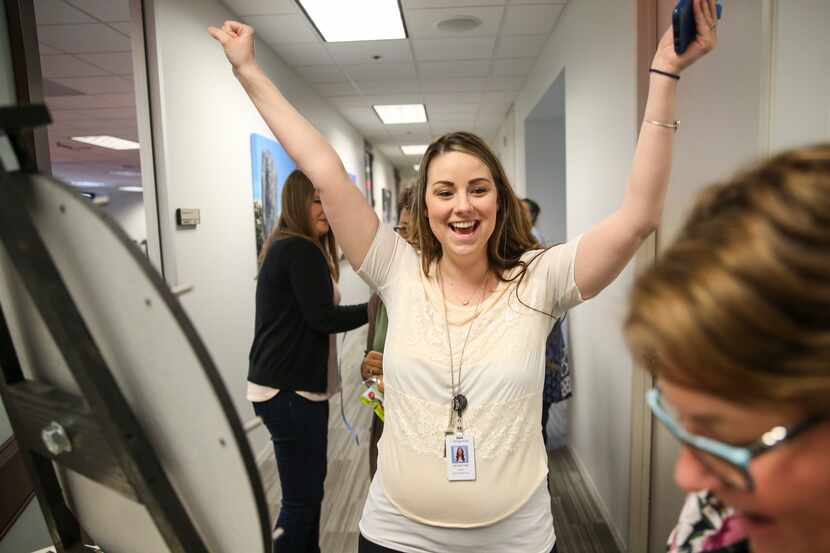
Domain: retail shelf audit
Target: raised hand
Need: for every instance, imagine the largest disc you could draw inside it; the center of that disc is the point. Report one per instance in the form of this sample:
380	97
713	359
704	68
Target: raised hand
238	41
706	20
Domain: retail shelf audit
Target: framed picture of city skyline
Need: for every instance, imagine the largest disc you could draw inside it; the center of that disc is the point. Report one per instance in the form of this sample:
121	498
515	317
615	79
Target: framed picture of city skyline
270	165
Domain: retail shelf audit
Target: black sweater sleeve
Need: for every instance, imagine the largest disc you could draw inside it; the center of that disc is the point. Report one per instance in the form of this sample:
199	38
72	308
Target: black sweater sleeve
311	282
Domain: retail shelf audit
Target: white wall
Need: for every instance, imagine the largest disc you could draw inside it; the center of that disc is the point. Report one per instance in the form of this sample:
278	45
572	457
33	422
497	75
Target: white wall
595	41
505	150
204	123
128	209
545	175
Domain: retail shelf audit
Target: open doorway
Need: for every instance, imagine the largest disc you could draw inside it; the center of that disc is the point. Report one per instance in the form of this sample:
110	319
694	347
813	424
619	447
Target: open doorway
85	60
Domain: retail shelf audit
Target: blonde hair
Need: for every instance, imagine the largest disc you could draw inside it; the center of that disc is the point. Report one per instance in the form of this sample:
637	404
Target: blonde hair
739	305
297	195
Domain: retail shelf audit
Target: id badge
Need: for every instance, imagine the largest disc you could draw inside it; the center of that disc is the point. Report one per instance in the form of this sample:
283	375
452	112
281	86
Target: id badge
461	458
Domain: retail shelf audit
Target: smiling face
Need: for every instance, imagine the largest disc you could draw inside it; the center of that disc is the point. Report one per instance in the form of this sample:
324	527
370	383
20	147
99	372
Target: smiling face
317	217
788	510
461	204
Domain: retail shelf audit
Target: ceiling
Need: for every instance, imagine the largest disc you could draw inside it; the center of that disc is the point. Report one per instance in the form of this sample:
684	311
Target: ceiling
467	80
86	61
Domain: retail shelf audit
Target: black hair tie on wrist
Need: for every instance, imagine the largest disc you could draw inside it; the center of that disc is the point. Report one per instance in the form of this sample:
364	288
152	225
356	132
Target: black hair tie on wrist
665	74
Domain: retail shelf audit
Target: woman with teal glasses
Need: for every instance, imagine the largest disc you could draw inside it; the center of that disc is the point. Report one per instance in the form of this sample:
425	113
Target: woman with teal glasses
734	321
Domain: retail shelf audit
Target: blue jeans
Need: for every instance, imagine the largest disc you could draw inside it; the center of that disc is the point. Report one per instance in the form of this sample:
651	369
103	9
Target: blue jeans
299	431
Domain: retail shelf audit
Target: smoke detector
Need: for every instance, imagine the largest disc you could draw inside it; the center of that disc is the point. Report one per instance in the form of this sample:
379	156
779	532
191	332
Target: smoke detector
459	24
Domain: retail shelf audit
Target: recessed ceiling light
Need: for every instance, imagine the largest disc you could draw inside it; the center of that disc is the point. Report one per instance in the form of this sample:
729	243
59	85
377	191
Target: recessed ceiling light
417	166
109	142
460	24
401	113
88	184
125	173
356	19
413	150
131	189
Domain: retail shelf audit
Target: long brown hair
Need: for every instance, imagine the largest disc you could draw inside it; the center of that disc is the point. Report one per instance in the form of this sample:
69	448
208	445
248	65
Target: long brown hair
297	195
739	305
511	236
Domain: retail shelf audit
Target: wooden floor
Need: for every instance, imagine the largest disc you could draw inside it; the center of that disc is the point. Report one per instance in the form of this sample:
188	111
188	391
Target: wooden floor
580	527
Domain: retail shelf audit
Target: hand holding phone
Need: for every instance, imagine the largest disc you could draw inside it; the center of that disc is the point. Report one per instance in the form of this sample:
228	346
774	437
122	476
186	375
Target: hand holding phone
684	26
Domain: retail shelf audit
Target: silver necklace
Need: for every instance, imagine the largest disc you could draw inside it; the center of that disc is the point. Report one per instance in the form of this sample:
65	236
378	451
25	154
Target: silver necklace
458	401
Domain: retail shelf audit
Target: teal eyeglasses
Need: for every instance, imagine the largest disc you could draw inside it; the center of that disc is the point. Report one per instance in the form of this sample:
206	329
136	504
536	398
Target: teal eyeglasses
728	462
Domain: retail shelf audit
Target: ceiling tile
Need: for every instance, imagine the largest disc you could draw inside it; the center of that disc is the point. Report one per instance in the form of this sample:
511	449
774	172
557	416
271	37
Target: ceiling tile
514	2
454	48
321	73
91	102
530	19
452	85
98	85
83	38
391	51
445	108
126	114
505	84
47	50
513	68
380	71
335	89
120	63
125	27
439	69
389	87
520	46
279	29
394	99
305	53
105	10
262	7
68	66
452	98
349	102
423	23
51	12
413	4
365	117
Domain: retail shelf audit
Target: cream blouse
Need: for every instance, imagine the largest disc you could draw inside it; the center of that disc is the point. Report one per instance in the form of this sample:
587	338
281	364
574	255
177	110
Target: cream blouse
502	377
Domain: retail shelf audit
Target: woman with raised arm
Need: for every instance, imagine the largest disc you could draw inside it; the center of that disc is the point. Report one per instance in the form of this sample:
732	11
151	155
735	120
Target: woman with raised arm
470	305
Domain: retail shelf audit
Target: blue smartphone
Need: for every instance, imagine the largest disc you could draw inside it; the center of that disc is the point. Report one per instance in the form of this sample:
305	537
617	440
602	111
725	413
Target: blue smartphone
683	24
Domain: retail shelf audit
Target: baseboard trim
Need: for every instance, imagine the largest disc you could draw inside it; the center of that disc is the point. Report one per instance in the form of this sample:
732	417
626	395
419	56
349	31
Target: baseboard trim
595	495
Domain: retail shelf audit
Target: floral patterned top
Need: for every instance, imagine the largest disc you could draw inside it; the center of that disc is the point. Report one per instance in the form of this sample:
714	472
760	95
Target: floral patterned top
706	525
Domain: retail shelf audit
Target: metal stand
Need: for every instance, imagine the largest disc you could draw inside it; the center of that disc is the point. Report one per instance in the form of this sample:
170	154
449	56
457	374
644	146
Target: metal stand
95	434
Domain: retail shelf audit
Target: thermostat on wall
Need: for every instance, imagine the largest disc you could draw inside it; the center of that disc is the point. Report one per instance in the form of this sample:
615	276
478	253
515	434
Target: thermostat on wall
187	217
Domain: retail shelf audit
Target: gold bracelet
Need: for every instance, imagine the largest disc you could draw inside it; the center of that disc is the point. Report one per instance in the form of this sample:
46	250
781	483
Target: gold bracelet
675	125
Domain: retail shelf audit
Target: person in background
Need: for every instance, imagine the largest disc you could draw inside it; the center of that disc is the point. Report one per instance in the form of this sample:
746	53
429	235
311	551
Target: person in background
470	306
372	365
293	359
734	322
557	386
533	210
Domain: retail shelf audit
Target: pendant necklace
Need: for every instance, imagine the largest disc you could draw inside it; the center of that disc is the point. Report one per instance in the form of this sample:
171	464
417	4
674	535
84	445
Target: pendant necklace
458	401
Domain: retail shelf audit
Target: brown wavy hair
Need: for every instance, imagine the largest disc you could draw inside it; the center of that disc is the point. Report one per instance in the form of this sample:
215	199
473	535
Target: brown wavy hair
739	305
297	195
511	236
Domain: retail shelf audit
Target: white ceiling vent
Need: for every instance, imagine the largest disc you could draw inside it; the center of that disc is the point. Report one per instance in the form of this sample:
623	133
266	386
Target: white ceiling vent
460	24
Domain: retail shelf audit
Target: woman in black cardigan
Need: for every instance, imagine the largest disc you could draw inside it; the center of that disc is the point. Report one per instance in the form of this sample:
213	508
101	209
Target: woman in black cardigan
293	360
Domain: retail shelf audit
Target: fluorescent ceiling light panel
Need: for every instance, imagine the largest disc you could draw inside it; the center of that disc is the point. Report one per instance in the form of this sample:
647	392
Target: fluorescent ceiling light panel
417	166
352	20
88	184
131	189
109	142
402	113
414	150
